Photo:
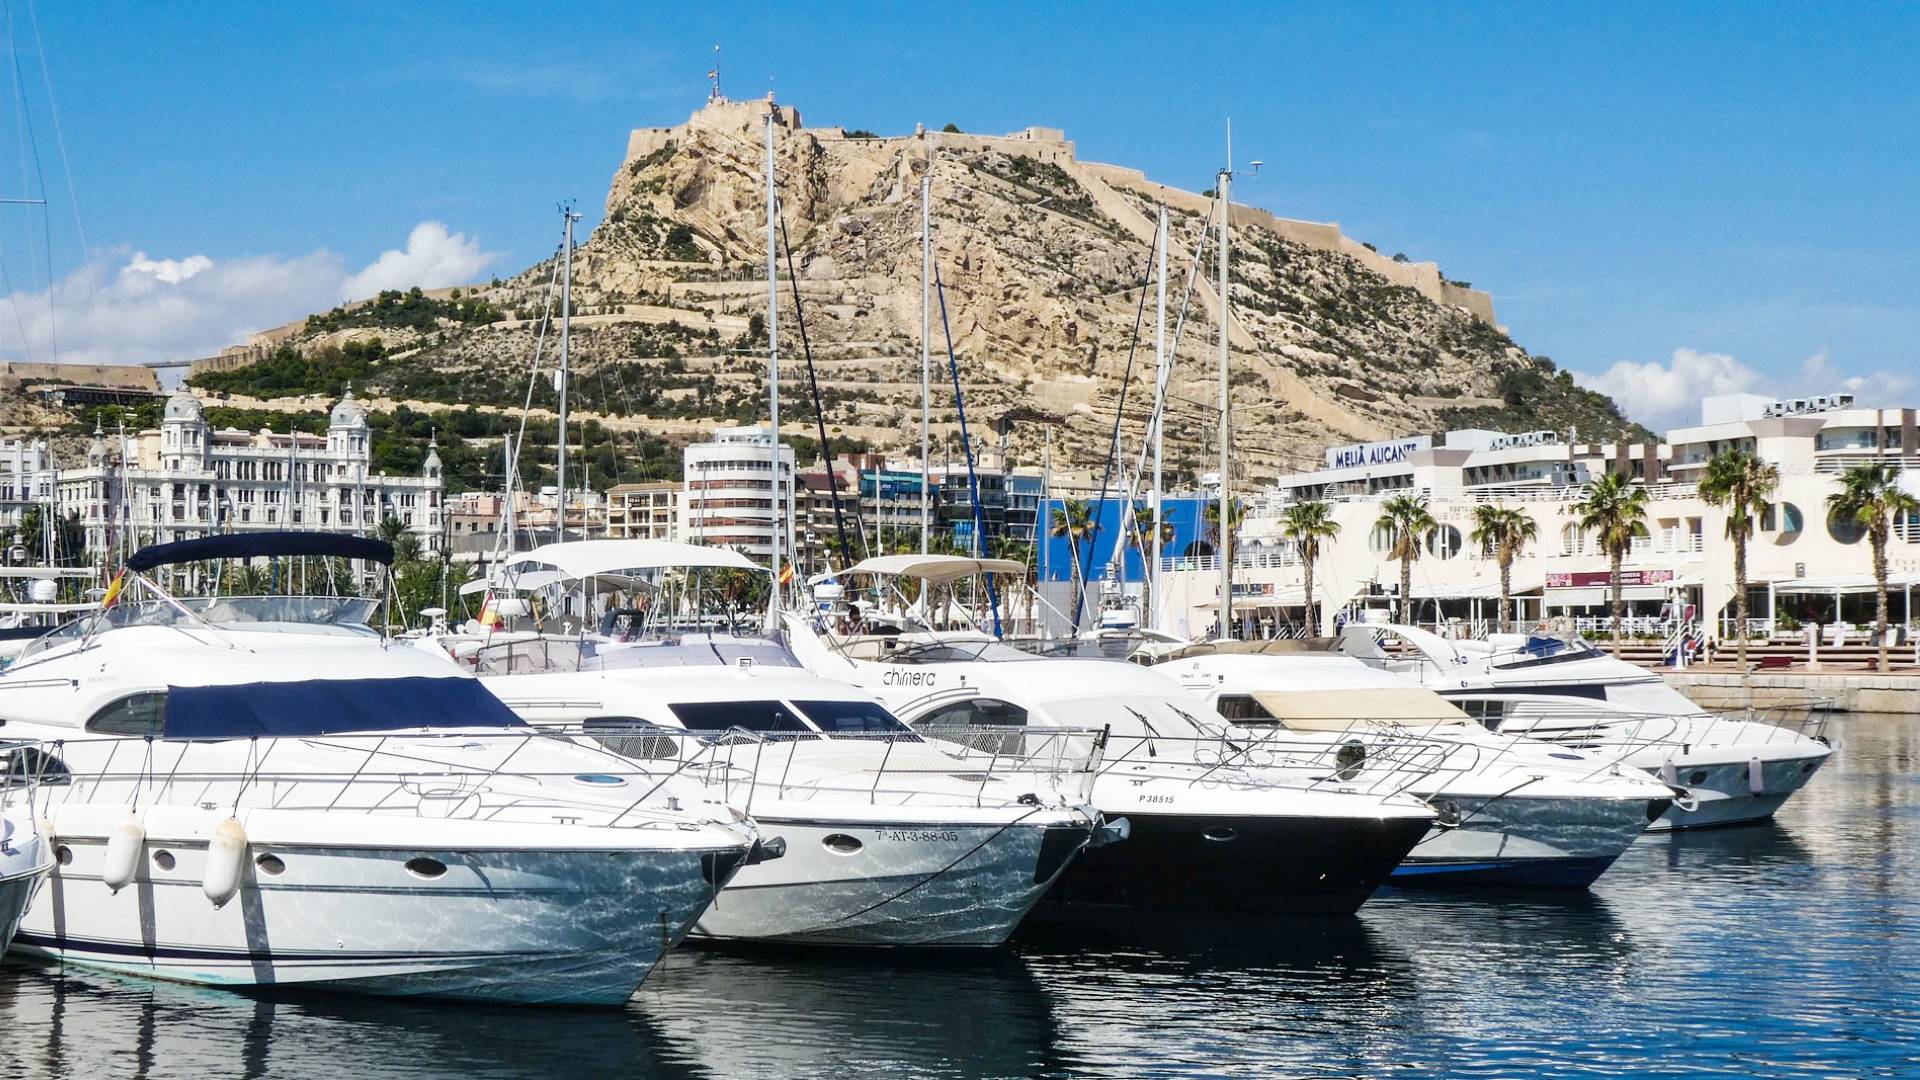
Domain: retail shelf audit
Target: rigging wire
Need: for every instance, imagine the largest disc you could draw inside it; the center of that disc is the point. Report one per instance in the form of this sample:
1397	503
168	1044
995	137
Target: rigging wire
33	145
1113	449
813	383
966	447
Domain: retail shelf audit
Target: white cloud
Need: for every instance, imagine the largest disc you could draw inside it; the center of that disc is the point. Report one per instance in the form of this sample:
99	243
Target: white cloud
1668	395
434	259
122	308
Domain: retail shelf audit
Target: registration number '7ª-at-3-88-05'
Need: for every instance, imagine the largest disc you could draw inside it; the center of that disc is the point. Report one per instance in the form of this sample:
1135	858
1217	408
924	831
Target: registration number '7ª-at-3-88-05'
917	836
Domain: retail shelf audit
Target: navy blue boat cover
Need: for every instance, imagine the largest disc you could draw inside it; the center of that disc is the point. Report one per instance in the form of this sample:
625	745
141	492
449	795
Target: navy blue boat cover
253	545
331	707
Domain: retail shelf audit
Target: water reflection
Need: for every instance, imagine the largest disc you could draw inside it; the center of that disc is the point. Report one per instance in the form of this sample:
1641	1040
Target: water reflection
70	1022
1780	949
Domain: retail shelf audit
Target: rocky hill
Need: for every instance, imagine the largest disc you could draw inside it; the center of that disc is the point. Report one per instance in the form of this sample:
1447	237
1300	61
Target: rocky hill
1044	258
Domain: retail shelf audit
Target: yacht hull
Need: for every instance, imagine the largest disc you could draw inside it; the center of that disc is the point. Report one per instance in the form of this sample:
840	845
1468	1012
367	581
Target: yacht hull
1250	864
915	884
1528	842
571	927
1739	791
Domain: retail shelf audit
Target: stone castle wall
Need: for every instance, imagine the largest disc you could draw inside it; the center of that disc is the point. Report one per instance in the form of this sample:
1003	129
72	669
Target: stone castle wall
1052	145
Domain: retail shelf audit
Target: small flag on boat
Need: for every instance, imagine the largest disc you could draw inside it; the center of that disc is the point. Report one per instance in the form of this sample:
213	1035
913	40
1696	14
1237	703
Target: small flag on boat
714	74
786	574
489	616
113	589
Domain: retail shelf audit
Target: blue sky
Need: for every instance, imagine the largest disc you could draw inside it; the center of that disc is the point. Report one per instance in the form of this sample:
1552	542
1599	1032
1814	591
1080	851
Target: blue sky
1669	199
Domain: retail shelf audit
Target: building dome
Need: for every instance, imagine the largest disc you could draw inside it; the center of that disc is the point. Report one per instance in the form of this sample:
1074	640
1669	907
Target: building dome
348	413
183	406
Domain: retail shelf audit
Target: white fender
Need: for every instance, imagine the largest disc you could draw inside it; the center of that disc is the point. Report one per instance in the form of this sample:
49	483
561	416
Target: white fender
226	857
125	844
1756	776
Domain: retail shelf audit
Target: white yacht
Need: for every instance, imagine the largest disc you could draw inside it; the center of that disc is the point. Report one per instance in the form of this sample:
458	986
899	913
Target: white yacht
1511	811
255	791
890	839
24	856
1214	826
1568	692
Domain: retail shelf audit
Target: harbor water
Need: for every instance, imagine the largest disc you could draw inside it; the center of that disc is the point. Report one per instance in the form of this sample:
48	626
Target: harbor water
1785	949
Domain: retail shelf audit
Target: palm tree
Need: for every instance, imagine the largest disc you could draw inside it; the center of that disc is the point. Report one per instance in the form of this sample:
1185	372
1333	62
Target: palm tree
1407	519
1871	495
1236	516
1615	511
1504	531
1306	524
1740	482
1073	519
1142	525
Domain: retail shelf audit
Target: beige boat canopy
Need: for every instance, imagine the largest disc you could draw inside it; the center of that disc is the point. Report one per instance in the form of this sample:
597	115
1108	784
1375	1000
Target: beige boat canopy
1338	710
936	569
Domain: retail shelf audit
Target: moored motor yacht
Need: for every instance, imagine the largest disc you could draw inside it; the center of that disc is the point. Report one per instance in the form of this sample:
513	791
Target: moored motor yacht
24	857
890	839
1566	691
253	791
1213	827
1512	811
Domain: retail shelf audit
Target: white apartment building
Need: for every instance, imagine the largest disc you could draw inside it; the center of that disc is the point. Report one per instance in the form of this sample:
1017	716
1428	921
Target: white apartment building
644	511
1803	564
188	479
732	496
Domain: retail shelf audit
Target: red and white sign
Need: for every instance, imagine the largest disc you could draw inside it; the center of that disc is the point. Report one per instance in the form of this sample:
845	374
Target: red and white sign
1596	579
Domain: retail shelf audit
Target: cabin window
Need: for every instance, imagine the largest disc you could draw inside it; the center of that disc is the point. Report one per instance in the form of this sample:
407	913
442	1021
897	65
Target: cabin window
1488	713
141	715
1241	707
978	712
851	717
746	715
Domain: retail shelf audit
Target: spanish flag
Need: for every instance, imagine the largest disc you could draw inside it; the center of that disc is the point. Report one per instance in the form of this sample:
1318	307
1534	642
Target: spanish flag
113	589
786	574
489	616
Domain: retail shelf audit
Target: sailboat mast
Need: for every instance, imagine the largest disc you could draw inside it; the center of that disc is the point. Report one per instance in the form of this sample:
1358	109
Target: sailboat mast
1150	617
566	323
773	353
1224	549
926	362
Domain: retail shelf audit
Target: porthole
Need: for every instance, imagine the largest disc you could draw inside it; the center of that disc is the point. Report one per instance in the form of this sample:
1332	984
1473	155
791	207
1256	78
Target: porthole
423	867
1444	542
1220	834
841	843
63	855
1844	529
270	864
163	859
1697	777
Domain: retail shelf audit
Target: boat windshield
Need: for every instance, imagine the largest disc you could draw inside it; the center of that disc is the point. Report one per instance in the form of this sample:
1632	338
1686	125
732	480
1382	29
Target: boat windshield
852	718
1542	649
689	650
344	613
1104	647
1137	715
950	652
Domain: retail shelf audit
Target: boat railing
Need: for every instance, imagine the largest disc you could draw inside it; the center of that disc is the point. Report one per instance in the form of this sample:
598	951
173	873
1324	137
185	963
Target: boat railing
1277	760
877	767
1612	734
442	774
